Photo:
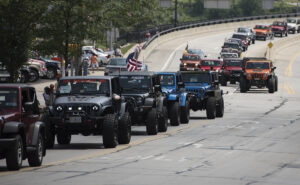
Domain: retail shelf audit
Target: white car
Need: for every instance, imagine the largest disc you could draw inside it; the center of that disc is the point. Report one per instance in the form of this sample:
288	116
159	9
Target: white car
102	57
293	25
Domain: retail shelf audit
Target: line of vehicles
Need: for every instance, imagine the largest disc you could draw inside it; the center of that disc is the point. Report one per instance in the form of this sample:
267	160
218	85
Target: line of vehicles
109	105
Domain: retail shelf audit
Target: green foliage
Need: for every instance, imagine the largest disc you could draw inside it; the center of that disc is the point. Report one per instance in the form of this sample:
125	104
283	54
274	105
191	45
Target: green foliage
18	21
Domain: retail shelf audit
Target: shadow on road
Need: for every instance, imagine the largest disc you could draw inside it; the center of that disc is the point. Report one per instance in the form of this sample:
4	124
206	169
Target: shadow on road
78	146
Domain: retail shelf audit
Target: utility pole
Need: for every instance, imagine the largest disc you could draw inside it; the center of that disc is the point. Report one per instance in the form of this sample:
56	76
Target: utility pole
111	31
175	16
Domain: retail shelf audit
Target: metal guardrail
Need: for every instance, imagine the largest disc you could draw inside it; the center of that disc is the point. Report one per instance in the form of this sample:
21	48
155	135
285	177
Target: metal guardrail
219	21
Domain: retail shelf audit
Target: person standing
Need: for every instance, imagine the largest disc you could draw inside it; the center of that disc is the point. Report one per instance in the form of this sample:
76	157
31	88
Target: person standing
94	62
51	95
118	52
137	51
46	95
148	36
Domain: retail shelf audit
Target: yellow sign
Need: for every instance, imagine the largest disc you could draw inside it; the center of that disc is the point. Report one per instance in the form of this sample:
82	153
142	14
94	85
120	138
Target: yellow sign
270	45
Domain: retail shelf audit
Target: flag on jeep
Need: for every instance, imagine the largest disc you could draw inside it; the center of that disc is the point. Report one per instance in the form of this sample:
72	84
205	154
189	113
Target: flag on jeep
134	65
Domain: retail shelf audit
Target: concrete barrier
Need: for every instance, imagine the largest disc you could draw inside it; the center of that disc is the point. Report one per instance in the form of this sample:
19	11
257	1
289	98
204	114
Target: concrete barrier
200	30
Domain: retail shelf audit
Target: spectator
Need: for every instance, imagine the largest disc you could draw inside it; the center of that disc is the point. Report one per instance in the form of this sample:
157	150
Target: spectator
148	36
137	51
51	95
94	62
118	52
46	95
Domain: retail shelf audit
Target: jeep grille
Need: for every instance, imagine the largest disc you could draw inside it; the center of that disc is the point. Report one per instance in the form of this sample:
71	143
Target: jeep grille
257	75
190	65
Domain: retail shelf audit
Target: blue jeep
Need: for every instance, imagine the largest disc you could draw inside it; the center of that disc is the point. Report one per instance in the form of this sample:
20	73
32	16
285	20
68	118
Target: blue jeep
206	93
177	99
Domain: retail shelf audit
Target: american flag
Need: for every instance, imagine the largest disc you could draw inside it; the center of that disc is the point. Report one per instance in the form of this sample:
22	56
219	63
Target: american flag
133	65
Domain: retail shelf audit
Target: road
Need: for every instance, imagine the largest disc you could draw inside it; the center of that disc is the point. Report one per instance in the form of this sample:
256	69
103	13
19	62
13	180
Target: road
256	142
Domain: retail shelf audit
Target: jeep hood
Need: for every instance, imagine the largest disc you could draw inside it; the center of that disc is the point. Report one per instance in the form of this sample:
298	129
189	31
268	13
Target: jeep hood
233	68
196	85
278	27
260	31
83	99
191	61
168	89
291	25
8	114
257	70
208	68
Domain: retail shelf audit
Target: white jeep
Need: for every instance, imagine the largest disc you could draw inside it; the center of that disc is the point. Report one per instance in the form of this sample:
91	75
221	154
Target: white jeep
293	25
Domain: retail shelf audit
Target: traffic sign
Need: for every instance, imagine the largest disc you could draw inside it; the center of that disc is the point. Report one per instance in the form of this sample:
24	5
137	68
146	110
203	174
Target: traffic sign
270	45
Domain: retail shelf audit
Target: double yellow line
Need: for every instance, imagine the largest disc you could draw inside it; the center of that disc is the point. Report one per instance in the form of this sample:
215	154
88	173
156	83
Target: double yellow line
289	74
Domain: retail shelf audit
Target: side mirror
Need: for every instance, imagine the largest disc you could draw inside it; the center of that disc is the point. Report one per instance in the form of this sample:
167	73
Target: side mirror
273	68
157	88
28	106
180	85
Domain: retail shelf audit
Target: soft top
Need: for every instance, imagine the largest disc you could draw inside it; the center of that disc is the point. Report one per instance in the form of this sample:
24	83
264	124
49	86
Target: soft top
134	73
86	77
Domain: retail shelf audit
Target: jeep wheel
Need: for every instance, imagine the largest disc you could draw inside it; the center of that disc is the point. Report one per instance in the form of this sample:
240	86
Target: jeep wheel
35	158
174	114
276	83
50	134
124	129
163	120
185	113
271	85
63	138
243	85
253	41
34	75
281	35
51	73
110	131
211	108
152	122
14	156
223	81
220	108
286	33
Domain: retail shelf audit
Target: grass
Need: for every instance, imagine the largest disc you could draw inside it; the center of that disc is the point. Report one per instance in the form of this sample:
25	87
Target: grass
126	48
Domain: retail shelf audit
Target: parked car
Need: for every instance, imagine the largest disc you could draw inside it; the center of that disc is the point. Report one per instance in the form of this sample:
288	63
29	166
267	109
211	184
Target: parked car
119	64
280	28
102	57
143	91
258	72
22	135
205	91
178	100
53	68
293	25
249	32
263	31
89	105
232	69
23	74
37	69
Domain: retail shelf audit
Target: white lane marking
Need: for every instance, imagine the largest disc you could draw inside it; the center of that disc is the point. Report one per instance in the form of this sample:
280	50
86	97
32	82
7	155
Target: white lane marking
163	158
147	157
182	159
198	145
170	57
216	48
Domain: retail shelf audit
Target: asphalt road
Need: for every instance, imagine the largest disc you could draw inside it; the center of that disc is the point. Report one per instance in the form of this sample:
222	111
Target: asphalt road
256	142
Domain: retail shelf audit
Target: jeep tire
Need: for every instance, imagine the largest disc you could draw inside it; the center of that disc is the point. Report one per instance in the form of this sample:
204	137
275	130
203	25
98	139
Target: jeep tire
62	137
271	85
276	83
14	156
163	120
253	41
124	129
185	113
34	75
50	134
211	108
243	85
35	158
220	108
110	131
174	113
223	81
152	122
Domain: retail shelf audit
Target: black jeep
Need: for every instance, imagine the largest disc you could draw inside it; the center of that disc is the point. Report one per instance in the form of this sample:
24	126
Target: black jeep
89	105
143	91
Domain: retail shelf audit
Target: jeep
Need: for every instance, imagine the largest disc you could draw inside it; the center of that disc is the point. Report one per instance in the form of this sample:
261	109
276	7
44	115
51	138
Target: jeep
211	65
246	41
232	68
249	31
89	105
177	99
258	72
22	135
280	27
263	31
190	62
148	105
205	91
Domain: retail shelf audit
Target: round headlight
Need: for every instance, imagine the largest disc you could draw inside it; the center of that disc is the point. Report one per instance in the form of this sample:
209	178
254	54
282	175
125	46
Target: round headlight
70	108
59	108
95	108
201	91
79	108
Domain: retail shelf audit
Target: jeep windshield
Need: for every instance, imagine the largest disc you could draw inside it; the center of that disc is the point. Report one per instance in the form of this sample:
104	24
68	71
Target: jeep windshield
278	24
196	78
234	63
8	98
261	27
231	45
229	55
117	62
166	80
237	36
210	63
243	30
291	21
83	87
257	65
191	57
135	83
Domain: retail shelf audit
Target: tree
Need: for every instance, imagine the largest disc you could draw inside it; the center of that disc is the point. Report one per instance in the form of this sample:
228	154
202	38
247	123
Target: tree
250	8
18	21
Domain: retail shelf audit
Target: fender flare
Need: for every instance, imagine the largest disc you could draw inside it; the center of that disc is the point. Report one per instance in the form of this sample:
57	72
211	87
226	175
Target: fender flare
123	109
12	127
38	127
182	100
161	102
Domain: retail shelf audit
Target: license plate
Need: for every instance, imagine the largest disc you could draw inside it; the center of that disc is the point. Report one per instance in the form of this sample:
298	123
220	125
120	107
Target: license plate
190	69
75	119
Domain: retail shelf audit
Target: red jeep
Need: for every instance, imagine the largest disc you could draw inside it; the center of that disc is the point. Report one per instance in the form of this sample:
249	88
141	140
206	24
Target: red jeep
22	135
280	28
211	65
232	69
